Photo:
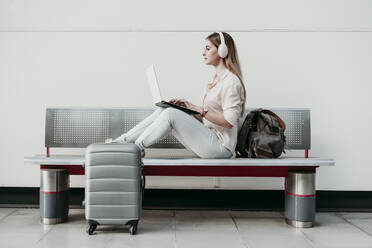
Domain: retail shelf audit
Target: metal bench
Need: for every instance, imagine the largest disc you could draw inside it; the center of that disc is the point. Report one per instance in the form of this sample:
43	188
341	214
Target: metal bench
79	127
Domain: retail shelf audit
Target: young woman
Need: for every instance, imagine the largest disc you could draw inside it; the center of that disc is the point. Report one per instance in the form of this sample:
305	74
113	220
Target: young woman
213	134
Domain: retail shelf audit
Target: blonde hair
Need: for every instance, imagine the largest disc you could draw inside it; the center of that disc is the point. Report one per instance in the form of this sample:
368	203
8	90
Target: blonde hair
231	61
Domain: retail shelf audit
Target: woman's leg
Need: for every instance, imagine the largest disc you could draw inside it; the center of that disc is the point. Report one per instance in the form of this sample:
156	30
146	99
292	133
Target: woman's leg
136	131
189	131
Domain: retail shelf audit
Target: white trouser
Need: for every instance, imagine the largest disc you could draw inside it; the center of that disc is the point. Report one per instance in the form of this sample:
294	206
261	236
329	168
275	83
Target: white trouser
189	131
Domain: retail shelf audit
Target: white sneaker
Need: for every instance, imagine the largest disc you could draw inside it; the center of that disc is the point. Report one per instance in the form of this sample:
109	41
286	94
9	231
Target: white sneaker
117	140
120	139
143	154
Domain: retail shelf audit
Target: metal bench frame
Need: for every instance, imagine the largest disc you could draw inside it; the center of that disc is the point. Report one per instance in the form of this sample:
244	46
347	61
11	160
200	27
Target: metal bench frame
79	127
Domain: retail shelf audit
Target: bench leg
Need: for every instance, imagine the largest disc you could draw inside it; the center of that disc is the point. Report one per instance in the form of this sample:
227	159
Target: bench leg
54	195
300	199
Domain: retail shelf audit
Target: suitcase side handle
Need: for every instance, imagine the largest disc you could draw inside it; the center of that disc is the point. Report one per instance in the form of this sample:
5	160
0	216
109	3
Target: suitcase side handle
143	179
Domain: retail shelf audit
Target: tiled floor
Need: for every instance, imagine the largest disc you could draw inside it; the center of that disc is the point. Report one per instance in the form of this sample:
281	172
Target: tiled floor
157	228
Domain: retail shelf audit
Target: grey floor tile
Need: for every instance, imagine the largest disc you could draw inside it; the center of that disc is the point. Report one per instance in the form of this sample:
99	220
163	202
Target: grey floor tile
332	231
72	235
5	212
162	228
152	229
152	232
206	229
22	228
269	231
363	221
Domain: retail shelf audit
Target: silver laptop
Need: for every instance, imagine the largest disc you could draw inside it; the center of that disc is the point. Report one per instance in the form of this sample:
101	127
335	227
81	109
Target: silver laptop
156	95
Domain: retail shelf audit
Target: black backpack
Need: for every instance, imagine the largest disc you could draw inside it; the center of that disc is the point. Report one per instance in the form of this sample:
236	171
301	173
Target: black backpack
261	135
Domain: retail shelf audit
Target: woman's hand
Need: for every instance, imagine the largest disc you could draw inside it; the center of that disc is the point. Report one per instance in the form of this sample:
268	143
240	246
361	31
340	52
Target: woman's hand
178	102
184	103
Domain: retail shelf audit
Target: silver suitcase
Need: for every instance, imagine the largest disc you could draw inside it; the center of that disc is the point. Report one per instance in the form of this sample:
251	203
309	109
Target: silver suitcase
114	185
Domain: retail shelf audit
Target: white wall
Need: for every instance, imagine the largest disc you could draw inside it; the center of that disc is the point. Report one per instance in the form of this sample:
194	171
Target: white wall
314	54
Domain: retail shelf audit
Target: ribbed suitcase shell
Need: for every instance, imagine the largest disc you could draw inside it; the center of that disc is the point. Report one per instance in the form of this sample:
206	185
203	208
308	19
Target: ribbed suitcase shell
113	190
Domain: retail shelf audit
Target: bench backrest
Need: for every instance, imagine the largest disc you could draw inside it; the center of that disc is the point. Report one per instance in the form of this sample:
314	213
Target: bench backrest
79	127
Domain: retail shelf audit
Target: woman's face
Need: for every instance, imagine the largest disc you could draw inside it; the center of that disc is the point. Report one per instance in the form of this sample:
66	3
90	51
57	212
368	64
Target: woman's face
210	54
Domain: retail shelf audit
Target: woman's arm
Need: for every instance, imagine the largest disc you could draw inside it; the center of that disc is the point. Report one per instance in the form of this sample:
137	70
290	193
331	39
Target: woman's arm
215	117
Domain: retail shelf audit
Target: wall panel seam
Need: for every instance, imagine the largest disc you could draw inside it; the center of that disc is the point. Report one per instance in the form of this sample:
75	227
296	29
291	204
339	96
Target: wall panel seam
191	31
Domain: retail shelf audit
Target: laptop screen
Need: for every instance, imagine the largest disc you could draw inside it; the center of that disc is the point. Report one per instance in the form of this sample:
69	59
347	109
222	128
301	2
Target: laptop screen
153	83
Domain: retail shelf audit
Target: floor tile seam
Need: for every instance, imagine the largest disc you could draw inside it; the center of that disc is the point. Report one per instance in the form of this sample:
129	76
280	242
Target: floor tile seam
308	239
9	214
357	218
349	222
43	236
353	218
237	229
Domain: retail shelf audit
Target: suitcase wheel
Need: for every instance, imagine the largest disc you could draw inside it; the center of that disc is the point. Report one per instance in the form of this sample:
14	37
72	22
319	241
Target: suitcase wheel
133	229
91	229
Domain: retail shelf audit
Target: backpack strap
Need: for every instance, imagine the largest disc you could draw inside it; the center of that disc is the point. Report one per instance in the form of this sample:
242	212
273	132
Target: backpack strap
241	146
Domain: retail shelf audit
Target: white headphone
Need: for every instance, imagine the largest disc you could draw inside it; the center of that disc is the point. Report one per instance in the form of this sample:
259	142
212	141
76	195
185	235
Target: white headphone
222	48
